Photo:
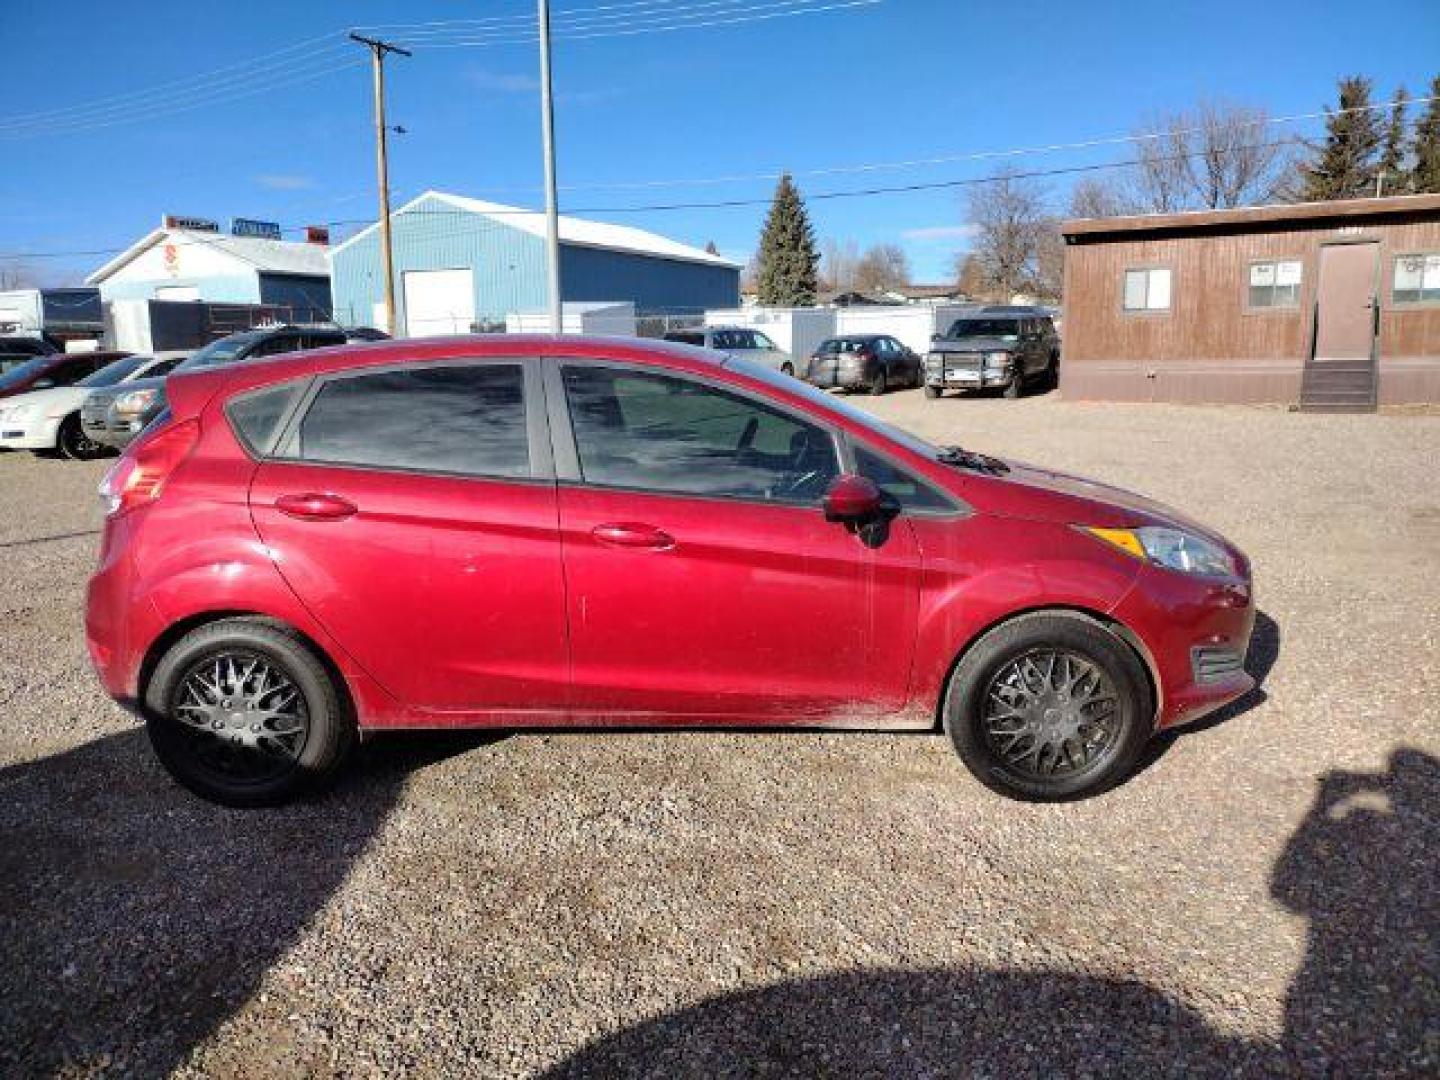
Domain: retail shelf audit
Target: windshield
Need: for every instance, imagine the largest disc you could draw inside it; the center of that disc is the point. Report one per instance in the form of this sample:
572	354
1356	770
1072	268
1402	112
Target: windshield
219	352
111	374
1007	329
17	375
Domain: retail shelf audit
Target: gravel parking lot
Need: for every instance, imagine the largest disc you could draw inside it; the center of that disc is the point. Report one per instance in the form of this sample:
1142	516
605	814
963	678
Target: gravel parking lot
1261	897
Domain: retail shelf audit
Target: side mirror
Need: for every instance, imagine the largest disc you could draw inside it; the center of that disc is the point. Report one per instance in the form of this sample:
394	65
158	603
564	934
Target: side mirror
853	499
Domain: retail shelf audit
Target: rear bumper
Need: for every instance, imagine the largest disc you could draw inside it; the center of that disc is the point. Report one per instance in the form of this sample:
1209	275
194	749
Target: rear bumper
839	380
115	624
1188	627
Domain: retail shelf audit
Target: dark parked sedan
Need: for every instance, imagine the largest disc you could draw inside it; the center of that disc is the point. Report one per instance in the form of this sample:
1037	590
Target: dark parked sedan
873	362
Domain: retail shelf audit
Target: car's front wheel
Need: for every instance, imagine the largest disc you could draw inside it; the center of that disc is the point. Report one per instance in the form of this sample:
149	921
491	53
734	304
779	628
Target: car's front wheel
72	441
931	391
1049	706
242	712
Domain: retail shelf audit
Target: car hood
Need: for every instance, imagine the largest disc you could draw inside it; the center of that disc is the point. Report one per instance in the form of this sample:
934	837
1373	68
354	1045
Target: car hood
1039	494
52	397
973	345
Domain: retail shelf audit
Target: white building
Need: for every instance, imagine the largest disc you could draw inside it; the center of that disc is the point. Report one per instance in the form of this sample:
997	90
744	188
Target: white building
189	259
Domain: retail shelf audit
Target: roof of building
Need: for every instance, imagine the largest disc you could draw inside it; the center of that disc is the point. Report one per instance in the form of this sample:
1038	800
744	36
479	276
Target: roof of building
267	256
576	232
1244	216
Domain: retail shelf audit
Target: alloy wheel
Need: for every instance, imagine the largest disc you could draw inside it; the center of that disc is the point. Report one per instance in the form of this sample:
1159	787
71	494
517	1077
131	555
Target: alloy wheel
1051	713
244	717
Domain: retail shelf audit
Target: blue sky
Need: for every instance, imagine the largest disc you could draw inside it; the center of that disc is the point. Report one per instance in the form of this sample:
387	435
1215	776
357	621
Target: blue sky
897	81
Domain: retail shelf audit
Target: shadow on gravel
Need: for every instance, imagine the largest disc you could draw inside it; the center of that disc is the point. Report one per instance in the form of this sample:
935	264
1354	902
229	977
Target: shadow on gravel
1365	1002
134	918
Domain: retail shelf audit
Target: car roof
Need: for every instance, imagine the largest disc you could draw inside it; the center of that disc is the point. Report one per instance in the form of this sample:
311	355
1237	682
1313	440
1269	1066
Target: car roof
235	378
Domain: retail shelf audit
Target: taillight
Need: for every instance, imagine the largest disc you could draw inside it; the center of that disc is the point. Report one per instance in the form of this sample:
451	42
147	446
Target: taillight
140	474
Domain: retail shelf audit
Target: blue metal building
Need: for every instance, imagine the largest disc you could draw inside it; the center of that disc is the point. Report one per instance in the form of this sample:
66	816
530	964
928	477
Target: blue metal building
463	263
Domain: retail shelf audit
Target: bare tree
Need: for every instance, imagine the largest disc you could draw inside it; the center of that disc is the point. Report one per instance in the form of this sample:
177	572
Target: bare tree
1214	156
838	263
883	266
1092	198
1009	216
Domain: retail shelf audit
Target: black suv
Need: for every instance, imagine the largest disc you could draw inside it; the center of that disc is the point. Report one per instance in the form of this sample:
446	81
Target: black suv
114	418
999	348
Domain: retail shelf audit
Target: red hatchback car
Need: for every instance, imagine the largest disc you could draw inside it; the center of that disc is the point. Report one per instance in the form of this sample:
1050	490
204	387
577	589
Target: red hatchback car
525	532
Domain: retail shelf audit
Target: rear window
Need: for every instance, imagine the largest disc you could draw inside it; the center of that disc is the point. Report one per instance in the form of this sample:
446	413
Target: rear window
686	337
256	417
842	345
466	419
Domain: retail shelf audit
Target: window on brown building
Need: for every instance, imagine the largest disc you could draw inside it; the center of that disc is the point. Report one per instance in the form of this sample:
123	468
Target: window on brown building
1147	289
1274	284
1417	279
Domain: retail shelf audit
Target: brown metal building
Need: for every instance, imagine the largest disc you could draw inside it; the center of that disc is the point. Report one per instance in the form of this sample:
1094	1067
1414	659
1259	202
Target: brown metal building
1333	305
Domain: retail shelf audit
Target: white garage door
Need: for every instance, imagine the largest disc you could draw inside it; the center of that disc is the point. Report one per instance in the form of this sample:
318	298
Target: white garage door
438	302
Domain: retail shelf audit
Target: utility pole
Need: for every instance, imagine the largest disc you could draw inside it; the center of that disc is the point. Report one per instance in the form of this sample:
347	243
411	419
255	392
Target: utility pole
378	49
552	211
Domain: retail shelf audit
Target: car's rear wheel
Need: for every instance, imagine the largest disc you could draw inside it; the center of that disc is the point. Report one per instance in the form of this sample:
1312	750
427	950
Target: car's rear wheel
74	443
1049	706
877	384
242	712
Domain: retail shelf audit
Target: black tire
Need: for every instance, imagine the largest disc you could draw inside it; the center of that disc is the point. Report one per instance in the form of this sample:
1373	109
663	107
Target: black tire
787	369
1052	373
306	763
74	443
983	687
932	392
877	384
1015	386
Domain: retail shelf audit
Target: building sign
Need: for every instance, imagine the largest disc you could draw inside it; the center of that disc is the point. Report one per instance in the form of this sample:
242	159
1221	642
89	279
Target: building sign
194	224
171	255
264	230
317	234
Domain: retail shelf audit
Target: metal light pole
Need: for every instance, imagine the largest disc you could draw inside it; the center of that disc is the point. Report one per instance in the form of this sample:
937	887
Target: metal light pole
378	49
552	212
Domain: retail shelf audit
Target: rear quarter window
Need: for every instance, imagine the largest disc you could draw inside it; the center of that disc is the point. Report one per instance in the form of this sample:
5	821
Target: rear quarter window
256	417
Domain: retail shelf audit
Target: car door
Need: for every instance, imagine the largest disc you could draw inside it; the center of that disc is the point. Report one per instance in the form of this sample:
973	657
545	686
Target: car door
703	580
412	510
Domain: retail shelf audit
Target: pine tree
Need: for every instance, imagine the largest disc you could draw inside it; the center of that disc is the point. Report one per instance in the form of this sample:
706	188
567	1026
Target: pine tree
789	263
1425	173
1392	176
1343	166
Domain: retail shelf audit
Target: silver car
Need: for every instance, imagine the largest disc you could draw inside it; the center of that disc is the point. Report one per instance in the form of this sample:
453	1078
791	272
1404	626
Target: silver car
738	341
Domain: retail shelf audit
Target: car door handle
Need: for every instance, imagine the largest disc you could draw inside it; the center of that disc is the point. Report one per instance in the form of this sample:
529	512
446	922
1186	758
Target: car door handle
629	534
314	506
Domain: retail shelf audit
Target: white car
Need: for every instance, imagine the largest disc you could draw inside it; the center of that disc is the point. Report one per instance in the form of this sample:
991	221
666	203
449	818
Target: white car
738	341
49	419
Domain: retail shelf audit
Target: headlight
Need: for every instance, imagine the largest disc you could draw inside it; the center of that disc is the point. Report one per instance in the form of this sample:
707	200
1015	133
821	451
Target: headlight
1170	548
997	359
135	402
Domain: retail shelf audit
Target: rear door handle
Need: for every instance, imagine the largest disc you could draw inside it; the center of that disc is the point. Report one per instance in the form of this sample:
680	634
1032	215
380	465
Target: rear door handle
314	506
632	535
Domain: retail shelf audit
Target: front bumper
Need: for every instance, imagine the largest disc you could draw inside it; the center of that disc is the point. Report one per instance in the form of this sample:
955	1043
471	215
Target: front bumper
1191	630
110	430
967	374
30	433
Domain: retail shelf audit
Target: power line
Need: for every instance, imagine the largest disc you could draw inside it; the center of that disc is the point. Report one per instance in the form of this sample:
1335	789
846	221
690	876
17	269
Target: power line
720	204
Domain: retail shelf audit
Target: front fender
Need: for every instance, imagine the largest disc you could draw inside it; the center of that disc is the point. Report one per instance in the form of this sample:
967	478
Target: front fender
982	570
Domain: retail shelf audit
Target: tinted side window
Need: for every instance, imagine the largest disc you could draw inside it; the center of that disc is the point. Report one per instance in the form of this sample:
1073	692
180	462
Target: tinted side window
687	338
909	491
465	419
281	343
658	433
256	417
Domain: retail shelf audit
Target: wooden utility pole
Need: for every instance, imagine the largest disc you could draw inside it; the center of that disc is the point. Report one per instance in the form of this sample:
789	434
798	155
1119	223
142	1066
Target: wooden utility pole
378	49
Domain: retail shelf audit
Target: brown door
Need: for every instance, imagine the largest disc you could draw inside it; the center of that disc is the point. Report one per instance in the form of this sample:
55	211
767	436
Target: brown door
1345	327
